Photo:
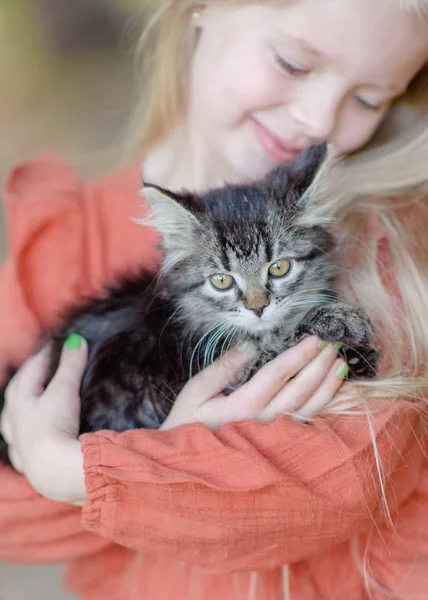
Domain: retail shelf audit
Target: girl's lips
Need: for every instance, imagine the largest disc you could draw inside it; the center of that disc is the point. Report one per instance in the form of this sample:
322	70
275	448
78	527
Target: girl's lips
273	146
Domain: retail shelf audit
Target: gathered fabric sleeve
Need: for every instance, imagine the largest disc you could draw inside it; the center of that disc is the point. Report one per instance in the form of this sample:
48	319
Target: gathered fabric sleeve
46	270
250	496
390	562
398	557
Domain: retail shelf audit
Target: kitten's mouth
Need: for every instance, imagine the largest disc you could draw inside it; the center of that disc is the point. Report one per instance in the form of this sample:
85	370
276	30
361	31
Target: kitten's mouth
259	326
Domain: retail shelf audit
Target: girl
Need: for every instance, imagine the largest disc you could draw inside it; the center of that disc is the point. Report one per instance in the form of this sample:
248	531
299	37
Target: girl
251	510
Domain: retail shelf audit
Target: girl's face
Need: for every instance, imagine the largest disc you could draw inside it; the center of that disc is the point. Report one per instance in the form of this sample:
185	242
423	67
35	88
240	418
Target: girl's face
270	79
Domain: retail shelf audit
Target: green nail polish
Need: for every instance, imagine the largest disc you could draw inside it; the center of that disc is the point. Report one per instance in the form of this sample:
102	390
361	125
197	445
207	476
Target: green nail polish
244	346
338	346
322	345
342	371
73	342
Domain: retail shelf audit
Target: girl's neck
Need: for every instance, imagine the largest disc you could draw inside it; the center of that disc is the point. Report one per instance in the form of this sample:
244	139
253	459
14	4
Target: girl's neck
184	161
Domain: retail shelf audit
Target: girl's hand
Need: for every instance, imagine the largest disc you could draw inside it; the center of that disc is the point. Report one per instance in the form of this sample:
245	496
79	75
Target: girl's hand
42	427
302	380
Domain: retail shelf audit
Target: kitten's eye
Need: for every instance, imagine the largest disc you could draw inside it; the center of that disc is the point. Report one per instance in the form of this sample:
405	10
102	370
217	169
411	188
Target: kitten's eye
222	282
280	268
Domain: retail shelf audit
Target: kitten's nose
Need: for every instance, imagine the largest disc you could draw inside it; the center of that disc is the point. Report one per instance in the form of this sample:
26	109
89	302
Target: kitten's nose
258	311
256	300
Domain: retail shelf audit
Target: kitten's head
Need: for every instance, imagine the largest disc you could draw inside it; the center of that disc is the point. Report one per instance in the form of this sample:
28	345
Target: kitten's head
247	256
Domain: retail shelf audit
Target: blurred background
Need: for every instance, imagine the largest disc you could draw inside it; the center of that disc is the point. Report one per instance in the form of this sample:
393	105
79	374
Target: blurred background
66	81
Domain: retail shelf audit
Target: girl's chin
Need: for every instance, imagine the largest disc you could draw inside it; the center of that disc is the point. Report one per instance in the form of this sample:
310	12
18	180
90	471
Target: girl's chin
249	168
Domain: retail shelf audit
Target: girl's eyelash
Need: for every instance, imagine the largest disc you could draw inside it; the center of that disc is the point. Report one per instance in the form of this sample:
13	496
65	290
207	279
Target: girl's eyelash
288	67
367	105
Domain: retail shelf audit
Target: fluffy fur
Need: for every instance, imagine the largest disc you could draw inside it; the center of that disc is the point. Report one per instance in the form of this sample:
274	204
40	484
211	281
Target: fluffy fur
149	334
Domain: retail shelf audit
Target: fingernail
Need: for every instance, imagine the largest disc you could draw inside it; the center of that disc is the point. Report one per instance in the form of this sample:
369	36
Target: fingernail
244	346
298	418
342	371
73	342
338	346
322	345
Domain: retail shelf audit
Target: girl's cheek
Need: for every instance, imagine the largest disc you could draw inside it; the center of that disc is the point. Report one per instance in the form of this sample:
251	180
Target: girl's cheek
255	89
354	131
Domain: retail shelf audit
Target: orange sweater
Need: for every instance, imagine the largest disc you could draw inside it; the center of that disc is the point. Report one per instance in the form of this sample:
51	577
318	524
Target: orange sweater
190	514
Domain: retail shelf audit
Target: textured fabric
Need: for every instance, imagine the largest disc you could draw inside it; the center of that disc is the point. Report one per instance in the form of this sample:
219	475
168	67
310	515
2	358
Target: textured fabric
191	514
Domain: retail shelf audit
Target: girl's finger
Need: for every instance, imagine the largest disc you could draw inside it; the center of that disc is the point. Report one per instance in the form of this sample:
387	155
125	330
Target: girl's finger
325	392
271	378
212	381
71	366
298	391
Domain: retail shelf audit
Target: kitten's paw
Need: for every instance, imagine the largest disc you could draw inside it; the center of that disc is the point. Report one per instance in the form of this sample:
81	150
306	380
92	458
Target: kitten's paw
362	360
337	322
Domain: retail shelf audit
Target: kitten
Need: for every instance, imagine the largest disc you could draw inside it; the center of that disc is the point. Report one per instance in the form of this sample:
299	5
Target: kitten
241	262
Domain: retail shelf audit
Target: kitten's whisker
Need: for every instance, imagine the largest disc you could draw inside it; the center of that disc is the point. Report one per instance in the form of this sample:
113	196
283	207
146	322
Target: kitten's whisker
324	290
306	295
231	331
323	251
196	348
161	393
217	330
228	340
211	341
212	345
335	294
169	321
308	298
308	302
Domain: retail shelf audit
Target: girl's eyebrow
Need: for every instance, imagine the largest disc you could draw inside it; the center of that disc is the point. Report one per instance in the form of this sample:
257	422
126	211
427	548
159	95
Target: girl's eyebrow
302	43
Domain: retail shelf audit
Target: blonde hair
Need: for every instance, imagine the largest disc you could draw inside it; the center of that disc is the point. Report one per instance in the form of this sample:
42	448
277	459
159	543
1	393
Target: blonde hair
387	177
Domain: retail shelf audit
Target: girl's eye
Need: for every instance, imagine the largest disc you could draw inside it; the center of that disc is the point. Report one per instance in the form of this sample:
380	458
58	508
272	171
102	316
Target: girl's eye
222	281
369	105
280	268
290	68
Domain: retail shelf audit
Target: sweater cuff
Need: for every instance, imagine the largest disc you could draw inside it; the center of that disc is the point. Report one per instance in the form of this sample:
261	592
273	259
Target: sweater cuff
96	486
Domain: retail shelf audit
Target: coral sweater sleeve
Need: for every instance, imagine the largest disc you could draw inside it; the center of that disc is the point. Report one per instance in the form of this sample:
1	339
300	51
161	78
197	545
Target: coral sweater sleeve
58	230
250	496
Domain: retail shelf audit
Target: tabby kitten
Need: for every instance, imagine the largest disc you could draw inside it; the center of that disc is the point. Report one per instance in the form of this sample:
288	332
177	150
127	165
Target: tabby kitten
241	262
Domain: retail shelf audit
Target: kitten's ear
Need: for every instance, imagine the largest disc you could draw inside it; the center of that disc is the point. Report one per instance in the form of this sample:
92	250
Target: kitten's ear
171	214
298	175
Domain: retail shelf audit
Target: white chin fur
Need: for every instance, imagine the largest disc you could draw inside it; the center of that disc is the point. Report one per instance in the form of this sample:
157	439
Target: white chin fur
254	324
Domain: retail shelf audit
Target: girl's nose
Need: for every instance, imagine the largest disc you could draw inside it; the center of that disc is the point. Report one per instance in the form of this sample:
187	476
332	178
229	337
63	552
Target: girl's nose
316	115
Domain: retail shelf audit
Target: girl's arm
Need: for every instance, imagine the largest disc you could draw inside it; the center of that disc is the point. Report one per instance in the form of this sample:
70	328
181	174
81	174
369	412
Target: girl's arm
65	239
43	205
249	496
